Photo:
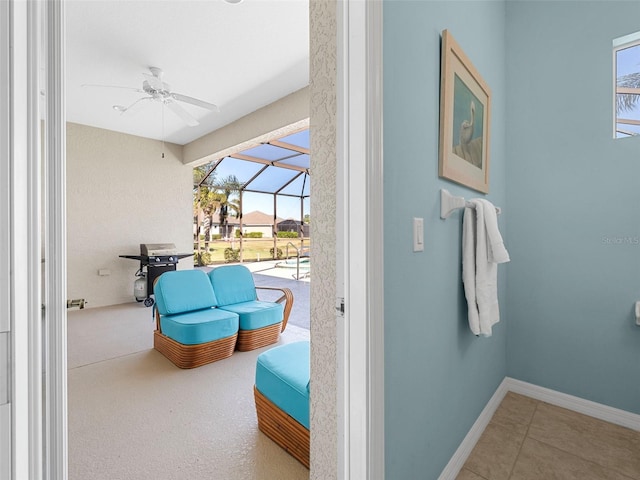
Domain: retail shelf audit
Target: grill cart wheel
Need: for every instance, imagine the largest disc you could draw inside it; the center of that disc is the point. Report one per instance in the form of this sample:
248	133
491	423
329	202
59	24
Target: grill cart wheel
148	302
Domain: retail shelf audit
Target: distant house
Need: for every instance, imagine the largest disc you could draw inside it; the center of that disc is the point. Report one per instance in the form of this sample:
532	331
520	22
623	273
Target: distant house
255	221
291	225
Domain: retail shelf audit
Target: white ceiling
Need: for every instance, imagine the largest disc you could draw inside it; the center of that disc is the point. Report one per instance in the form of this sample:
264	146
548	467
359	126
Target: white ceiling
239	57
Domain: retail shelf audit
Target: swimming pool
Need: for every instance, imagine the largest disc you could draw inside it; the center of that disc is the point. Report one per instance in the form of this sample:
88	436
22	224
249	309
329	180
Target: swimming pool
305	263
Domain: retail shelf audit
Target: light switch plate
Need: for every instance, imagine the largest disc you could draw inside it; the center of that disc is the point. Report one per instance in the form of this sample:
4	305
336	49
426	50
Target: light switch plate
418	234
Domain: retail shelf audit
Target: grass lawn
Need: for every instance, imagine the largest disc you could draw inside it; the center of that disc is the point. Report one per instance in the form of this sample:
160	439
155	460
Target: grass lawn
253	248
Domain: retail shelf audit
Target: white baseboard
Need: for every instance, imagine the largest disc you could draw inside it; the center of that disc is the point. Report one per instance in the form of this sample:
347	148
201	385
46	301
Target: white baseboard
577	404
454	466
580	405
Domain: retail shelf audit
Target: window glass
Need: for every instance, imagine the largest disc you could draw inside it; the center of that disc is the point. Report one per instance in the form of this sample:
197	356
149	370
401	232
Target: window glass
627	86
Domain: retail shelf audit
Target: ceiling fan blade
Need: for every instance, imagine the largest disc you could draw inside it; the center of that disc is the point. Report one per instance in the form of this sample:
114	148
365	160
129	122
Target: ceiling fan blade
182	113
112	86
134	107
195	101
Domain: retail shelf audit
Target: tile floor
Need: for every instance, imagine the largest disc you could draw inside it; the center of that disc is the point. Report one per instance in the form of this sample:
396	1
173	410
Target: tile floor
532	440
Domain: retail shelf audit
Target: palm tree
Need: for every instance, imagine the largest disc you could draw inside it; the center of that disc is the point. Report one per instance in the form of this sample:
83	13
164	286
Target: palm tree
226	187
205	199
628	101
211	195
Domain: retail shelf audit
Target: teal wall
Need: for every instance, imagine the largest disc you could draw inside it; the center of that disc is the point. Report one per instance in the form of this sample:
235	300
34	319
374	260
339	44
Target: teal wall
438	375
571	221
574	204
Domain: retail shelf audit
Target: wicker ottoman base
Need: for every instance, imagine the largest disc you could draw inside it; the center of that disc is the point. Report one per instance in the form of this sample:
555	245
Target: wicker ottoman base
191	356
282	428
261	337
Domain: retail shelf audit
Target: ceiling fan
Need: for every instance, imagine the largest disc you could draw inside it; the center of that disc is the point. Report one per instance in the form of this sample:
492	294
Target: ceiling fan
159	91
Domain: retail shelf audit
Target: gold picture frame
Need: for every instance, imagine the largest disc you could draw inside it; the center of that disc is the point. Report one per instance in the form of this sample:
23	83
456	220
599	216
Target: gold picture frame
465	117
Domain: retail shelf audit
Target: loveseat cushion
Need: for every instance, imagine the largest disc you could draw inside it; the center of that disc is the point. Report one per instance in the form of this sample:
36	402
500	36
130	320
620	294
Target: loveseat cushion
233	284
201	326
282	375
256	314
183	291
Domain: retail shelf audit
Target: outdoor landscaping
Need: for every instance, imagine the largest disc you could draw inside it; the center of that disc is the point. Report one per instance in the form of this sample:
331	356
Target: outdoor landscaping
226	231
254	249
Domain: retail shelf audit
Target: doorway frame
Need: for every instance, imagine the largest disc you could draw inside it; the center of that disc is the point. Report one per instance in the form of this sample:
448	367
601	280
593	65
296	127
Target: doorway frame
359	148
360	270
21	130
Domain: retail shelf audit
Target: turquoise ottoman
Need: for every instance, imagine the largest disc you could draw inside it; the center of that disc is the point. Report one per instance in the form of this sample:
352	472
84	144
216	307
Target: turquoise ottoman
282	397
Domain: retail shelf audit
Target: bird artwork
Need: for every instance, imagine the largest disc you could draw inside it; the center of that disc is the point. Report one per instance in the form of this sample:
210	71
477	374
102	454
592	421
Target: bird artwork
466	128
469	147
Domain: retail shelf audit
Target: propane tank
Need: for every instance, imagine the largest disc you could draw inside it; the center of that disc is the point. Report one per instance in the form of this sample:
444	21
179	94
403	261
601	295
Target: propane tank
140	288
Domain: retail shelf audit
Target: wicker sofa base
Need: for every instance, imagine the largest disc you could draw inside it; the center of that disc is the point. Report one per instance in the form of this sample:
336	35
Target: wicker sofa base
261	337
282	428
191	356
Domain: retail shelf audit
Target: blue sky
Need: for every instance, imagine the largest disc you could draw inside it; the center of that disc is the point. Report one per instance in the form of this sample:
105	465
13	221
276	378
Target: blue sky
272	179
288	207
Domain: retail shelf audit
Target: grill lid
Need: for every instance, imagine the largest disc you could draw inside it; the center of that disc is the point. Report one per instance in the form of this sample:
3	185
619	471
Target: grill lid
157	249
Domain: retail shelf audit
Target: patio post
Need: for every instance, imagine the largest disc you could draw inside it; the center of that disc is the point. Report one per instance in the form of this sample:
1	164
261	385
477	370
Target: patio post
301	232
241	230
275	228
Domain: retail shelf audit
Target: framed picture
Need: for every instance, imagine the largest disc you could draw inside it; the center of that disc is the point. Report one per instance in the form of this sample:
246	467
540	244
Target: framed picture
465	115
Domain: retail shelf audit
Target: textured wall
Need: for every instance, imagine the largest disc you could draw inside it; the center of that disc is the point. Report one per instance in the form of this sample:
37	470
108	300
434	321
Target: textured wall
574	276
438	375
120	193
323	219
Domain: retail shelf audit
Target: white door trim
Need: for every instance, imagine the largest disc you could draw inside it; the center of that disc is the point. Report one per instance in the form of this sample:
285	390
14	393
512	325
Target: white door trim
19	228
55	276
6	374
22	130
35	23
359	152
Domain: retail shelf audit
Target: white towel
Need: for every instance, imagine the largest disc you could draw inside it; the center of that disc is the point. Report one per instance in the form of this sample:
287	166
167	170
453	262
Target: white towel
482	250
497	253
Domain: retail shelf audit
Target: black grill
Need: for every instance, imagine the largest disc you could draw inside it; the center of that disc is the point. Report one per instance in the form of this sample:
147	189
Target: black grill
152	266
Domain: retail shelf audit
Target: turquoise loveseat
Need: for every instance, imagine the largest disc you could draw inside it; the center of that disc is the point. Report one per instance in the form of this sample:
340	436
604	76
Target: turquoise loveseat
203	318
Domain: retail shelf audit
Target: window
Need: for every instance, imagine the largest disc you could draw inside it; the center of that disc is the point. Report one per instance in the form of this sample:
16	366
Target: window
626	59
